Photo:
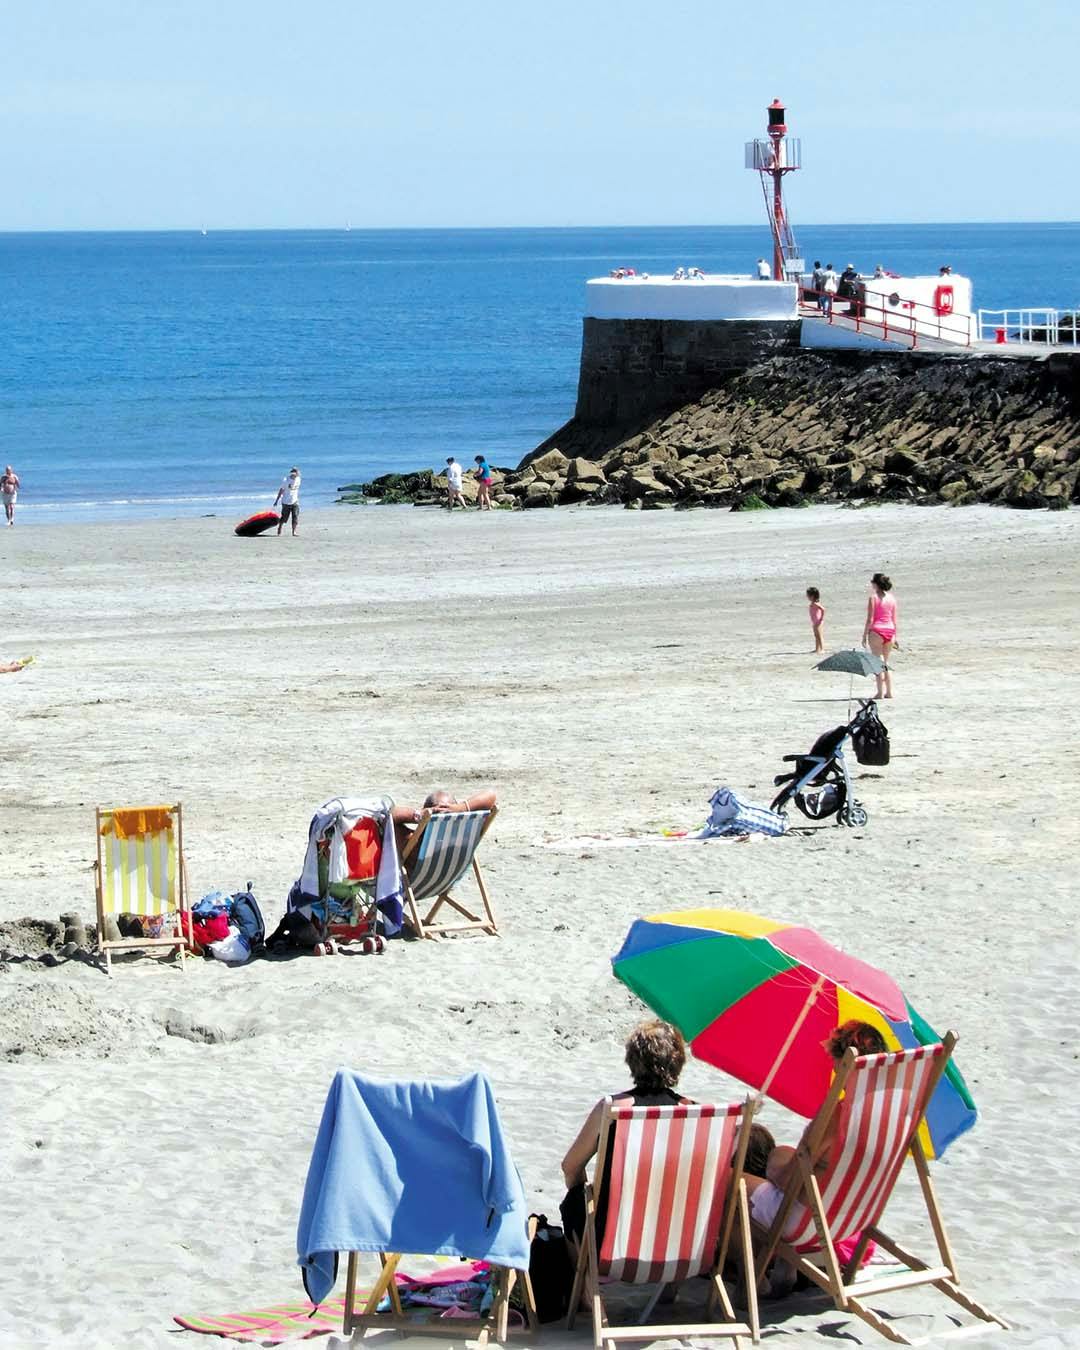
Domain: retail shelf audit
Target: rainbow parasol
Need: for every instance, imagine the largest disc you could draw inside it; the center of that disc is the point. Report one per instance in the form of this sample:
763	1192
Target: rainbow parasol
756	998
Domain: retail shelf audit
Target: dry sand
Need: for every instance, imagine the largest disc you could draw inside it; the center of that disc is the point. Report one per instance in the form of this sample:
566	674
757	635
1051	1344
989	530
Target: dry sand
604	671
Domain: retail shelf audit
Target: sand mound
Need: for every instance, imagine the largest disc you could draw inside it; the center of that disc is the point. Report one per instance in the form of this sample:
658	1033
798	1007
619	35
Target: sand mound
47	1021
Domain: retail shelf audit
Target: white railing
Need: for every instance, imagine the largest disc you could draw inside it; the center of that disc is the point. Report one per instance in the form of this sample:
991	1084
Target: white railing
1045	326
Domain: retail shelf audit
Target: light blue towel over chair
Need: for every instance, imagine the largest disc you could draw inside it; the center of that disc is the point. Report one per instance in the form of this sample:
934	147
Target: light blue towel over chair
409	1166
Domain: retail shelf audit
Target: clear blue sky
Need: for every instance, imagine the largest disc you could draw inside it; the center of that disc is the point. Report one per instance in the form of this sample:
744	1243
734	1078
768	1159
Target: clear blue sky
292	113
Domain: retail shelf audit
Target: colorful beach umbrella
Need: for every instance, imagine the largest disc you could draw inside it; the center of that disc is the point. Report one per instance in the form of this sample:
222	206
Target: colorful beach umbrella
757	998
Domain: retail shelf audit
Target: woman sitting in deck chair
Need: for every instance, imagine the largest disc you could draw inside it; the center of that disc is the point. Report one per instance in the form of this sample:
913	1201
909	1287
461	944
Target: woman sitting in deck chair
655	1055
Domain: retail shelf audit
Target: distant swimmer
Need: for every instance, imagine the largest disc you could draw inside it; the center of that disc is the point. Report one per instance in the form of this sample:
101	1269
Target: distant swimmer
9	490
288	494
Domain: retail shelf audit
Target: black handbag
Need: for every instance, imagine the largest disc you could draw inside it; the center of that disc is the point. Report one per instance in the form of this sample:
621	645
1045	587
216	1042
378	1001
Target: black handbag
551	1271
871	741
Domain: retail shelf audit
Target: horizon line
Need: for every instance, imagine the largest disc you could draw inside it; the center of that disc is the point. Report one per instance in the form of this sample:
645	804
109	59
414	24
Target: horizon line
482	229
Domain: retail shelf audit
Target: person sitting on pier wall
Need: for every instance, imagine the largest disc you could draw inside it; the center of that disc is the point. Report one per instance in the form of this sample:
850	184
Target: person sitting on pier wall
764	271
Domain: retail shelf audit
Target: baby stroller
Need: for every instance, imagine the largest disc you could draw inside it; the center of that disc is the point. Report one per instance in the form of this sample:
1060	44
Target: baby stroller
820	784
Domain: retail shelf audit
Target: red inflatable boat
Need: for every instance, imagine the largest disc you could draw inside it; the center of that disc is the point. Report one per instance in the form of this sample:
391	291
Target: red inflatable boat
259	523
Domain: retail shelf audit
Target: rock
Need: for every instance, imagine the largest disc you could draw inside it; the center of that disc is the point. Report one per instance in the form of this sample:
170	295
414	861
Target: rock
585	471
539	494
955	488
553	461
579	492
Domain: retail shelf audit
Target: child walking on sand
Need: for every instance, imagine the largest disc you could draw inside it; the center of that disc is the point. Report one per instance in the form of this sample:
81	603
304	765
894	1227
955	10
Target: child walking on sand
817	617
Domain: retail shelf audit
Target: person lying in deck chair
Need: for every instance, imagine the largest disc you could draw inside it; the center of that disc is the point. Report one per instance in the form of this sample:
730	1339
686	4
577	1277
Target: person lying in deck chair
438	802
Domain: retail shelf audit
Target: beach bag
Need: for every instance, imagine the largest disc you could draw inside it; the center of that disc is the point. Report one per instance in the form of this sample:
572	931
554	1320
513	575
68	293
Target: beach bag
871	742
551	1271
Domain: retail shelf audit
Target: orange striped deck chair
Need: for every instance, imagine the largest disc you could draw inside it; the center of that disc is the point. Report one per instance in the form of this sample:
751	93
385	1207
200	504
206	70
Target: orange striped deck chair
140	871
846	1167
675	1195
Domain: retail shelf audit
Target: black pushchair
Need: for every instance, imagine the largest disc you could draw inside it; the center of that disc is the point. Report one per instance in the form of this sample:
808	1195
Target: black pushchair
820	784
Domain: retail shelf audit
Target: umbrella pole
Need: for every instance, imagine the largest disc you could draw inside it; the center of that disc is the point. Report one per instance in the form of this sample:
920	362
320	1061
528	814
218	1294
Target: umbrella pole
811	999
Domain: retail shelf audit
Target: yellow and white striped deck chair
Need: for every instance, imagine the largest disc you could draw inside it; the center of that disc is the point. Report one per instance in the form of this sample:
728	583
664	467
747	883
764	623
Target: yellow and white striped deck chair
140	871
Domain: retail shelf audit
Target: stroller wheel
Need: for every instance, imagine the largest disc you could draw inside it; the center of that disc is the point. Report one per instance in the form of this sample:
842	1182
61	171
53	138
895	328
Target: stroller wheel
856	815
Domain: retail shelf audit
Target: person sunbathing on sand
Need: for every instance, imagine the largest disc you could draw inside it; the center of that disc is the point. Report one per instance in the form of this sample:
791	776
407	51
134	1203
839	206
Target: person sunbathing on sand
9	667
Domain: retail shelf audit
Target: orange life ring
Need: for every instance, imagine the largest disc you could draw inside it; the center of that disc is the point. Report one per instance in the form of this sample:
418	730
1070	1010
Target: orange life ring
943	300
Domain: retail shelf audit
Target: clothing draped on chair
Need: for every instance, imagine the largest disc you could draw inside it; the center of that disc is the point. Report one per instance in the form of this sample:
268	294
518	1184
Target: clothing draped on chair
332	822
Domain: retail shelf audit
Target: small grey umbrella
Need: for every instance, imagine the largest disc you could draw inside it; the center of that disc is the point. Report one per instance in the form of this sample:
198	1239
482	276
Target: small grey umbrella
855	661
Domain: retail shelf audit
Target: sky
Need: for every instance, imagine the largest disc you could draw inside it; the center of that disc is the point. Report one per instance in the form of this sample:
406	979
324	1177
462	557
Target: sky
155	114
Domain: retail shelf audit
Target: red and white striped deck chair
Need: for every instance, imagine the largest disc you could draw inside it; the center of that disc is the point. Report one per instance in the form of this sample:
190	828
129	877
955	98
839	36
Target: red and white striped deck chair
675	1193
858	1142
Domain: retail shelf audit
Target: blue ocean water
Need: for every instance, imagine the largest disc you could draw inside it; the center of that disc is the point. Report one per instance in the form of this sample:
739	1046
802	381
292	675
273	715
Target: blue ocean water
149	373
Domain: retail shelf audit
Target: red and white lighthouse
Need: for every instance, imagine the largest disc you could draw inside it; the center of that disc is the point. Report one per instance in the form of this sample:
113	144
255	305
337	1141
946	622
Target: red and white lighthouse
773	158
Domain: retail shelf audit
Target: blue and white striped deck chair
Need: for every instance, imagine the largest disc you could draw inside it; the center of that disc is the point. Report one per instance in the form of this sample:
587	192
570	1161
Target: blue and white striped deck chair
439	853
140	871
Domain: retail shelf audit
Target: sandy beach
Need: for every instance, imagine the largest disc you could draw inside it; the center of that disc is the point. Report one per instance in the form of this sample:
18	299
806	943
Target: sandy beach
604	671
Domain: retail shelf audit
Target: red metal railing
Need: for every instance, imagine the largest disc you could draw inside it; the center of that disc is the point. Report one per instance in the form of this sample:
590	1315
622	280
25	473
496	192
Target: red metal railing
911	319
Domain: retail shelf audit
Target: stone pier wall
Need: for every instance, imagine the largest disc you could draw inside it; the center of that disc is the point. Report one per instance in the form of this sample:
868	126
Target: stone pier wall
634	368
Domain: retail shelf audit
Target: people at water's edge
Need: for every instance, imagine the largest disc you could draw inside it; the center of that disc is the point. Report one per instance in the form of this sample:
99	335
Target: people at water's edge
483	479
881	629
816	611
288	494
454	496
9	491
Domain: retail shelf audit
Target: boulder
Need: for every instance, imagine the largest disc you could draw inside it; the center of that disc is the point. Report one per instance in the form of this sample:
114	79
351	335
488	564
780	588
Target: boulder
585	471
553	461
538	494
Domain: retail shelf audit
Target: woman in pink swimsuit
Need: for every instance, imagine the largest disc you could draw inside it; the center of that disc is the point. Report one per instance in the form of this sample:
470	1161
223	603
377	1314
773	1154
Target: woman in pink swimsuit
880	629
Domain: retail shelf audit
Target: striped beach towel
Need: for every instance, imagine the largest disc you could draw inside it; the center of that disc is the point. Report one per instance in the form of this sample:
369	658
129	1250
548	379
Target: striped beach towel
271	1326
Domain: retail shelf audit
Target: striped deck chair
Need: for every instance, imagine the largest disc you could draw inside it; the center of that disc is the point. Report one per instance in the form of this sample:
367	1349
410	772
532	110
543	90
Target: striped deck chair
858	1142
140	871
437	855
675	1194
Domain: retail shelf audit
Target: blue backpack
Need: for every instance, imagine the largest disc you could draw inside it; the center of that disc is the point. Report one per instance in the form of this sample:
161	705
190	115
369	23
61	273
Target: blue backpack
245	913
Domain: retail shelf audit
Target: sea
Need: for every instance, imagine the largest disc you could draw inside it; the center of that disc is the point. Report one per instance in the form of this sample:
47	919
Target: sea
179	373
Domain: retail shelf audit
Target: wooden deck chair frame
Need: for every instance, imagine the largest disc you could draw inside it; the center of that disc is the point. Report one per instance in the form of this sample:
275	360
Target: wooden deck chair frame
736	1213
496	1322
839	1281
175	938
469	922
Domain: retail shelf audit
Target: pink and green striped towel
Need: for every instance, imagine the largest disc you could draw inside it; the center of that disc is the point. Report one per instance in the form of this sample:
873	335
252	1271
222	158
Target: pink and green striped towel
271	1326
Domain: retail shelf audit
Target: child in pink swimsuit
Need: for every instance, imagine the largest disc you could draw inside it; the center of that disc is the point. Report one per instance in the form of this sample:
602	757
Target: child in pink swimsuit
880	629
817	617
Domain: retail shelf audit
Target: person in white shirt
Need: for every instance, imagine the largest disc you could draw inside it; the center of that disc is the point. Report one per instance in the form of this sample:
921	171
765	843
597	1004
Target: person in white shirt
764	271
454	495
288	494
